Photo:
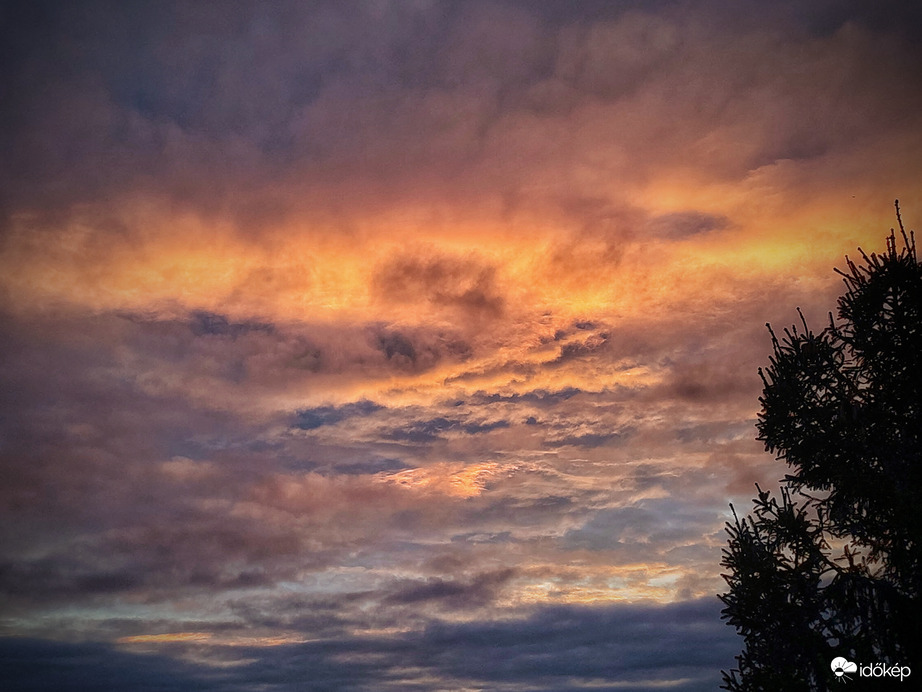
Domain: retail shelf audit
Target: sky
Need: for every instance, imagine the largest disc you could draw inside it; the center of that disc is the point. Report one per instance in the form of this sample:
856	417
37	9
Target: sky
397	345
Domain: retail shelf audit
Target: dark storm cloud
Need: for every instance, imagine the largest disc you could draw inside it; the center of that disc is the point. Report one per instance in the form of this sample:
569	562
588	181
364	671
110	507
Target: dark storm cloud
309	419
519	512
415	350
682	646
48	580
684	224
208	323
541	397
826	16
558	647
423	431
154	557
580	349
476	592
620	224
443	281
213	349
31	665
709	382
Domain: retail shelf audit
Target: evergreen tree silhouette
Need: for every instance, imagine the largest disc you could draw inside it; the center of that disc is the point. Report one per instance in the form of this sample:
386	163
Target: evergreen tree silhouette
833	567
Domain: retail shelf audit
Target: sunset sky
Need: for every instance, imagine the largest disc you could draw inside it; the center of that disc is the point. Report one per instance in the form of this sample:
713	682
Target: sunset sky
397	345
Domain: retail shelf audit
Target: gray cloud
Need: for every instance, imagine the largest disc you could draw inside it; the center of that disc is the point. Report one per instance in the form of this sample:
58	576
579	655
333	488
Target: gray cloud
443	281
632	647
309	419
225	111
458	594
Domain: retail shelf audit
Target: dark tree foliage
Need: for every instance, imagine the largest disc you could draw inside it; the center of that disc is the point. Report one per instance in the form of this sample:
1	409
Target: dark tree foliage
834	566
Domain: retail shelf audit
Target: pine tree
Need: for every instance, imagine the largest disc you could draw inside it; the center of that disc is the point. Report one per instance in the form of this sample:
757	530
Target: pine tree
834	567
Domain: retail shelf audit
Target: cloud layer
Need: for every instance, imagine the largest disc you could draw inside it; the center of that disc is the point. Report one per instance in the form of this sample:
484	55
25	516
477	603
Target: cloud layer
412	342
